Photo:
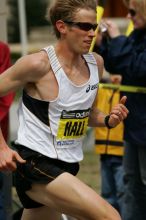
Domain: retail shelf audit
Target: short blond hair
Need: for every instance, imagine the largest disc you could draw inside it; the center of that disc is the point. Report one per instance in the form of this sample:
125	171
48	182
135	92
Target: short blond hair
66	10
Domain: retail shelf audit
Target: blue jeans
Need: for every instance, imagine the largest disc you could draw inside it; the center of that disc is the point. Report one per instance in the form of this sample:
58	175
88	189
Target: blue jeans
2	210
135	182
112	187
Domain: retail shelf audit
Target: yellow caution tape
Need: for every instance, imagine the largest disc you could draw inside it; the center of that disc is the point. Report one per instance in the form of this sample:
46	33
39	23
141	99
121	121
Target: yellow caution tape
129	28
123	88
99	12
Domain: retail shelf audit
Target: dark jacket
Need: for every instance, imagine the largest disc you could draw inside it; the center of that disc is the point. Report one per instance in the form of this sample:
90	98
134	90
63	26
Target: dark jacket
127	56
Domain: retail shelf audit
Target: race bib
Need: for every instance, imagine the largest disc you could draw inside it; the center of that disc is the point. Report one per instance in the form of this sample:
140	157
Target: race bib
73	124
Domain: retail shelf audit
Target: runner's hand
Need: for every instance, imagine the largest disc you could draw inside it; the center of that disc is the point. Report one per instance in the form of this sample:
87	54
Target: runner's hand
8	159
118	113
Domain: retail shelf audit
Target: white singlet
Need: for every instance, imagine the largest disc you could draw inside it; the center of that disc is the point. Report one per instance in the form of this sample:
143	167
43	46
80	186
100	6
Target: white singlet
57	128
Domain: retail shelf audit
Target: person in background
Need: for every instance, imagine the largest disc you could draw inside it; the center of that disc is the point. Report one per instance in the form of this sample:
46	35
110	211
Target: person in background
5	103
126	55
109	145
60	85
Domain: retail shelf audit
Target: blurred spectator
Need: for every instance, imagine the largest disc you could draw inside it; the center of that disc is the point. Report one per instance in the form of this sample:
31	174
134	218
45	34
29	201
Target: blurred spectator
109	144
127	56
5	103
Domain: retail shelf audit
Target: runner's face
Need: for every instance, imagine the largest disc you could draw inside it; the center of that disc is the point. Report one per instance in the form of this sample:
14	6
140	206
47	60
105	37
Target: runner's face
81	30
136	16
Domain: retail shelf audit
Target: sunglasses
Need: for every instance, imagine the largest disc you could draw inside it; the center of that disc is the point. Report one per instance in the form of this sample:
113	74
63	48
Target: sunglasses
85	26
132	12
